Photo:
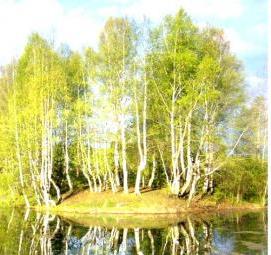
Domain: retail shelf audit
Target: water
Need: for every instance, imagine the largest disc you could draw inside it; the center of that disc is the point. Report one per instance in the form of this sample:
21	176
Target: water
225	233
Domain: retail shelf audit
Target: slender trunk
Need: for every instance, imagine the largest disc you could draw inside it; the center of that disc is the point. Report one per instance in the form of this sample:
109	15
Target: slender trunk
116	241
67	158
46	168
192	190
264	144
238	195
123	138
22	230
153	171
18	153
195	242
33	177
152	242
189	175
88	153
138	179
87	177
207	237
124	239
142	148
209	151
116	162
137	241
175	239
110	174
96	176
208	180
174	185
81	157
188	243
181	150
164	166
124	163
264	195
11	219
99	183
58	195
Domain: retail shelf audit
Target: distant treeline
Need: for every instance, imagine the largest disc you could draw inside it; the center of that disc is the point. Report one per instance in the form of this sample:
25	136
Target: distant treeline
154	106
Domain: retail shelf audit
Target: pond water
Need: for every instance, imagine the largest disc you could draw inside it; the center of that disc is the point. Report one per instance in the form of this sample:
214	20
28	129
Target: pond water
29	232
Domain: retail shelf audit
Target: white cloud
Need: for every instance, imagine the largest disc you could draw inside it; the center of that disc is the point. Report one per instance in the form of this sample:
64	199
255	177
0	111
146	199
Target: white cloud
256	85
238	44
79	27
18	19
109	11
260	30
256	81
203	11
155	10
214	8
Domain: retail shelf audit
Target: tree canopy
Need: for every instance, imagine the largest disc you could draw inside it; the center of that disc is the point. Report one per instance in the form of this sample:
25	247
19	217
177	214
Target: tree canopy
157	106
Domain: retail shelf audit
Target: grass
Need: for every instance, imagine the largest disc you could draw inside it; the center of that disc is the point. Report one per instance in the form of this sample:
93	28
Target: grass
149	202
152	209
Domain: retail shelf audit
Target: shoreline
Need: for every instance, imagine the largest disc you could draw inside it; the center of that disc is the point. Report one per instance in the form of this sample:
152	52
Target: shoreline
146	220
146	211
153	202
53	209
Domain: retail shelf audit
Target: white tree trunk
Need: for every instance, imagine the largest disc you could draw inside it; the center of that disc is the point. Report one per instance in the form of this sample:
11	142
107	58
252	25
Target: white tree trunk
116	163
18	153
153	172
67	158
124	163
137	241
142	148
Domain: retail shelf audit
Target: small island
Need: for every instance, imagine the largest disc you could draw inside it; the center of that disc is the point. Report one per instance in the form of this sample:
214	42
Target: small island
159	112
133	134
149	202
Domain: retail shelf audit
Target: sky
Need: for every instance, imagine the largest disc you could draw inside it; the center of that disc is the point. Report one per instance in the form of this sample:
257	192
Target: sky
79	22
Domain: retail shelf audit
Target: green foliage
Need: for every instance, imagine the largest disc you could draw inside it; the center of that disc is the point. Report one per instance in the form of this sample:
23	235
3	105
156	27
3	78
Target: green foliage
252	120
63	113
243	177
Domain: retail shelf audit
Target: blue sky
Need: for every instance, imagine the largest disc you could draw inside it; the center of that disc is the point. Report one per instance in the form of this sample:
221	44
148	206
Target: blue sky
78	23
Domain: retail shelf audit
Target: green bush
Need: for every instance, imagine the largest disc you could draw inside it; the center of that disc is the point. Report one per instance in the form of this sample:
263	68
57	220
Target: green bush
242	179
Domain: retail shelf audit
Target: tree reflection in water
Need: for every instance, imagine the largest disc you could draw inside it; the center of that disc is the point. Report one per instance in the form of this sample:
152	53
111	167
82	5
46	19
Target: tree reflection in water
48	231
36	233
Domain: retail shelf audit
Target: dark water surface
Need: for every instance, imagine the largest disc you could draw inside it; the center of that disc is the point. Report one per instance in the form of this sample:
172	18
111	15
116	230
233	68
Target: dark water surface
25	232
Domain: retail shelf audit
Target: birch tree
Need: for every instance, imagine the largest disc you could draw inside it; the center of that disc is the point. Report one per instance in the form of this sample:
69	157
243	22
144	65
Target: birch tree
116	50
190	71
173	62
38	81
